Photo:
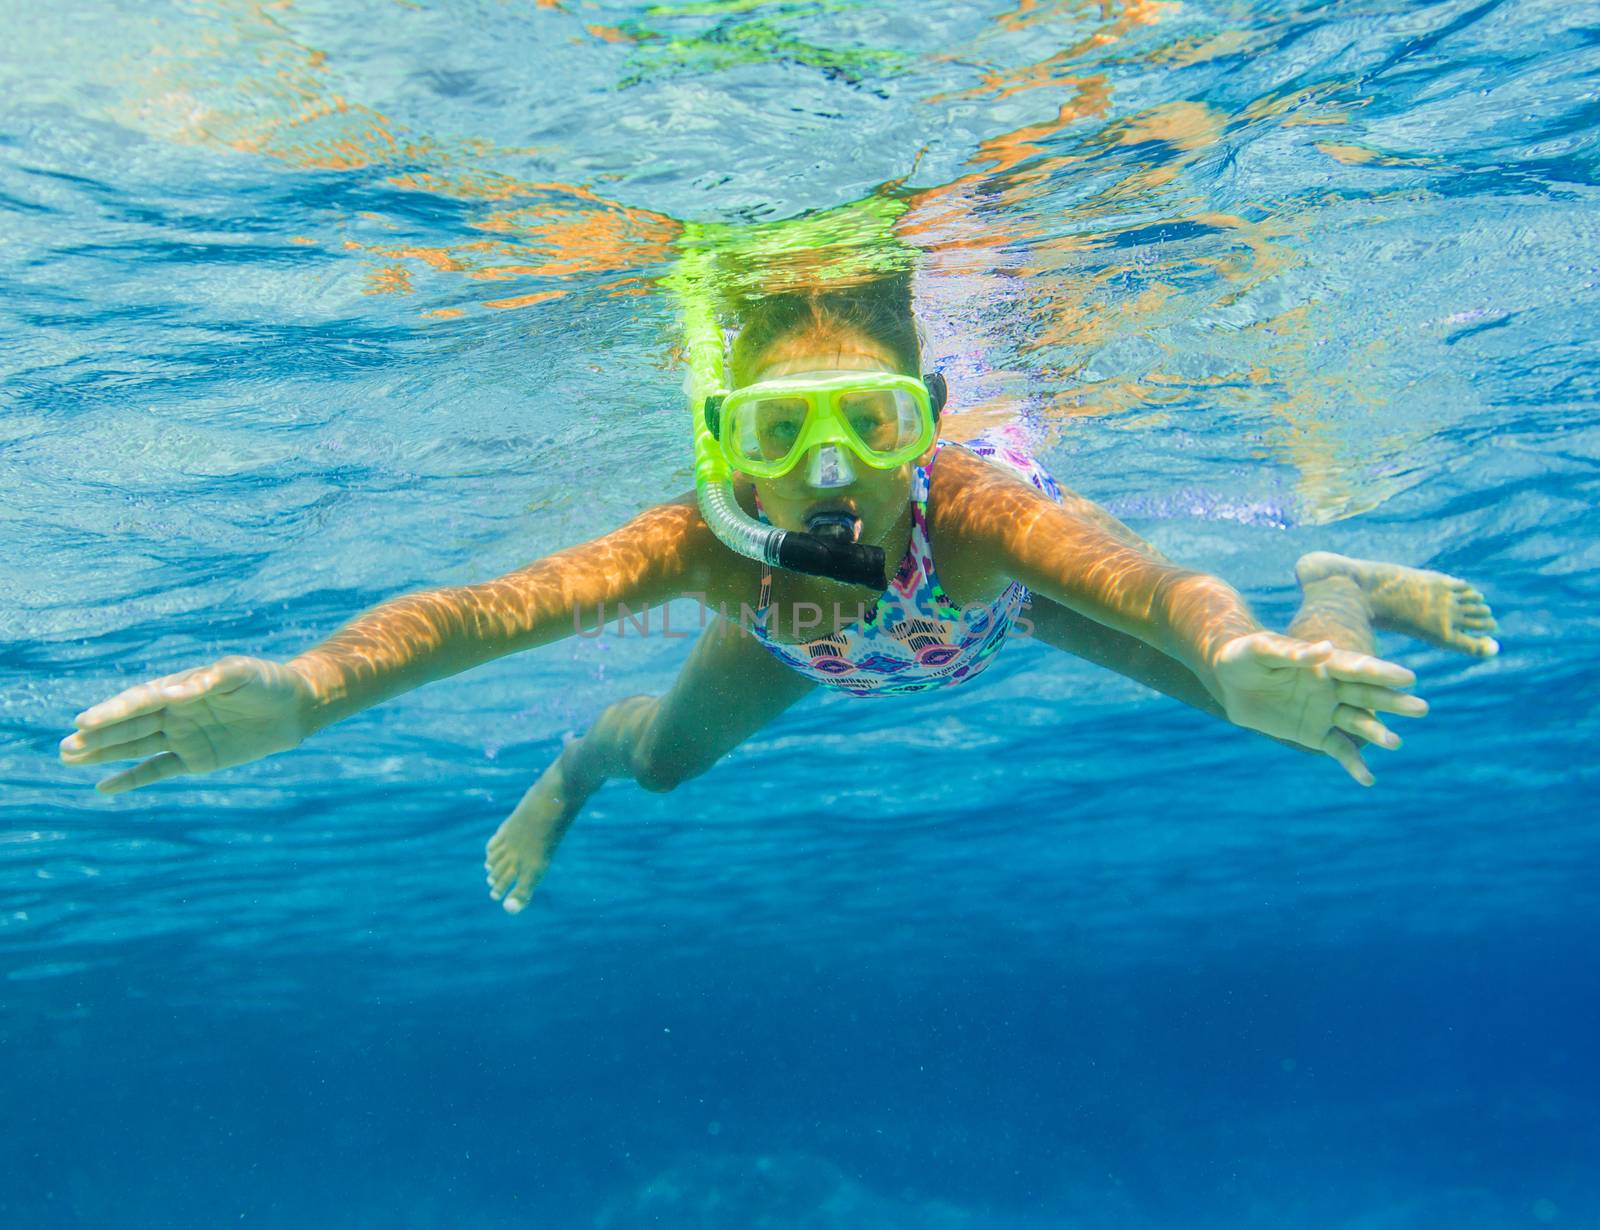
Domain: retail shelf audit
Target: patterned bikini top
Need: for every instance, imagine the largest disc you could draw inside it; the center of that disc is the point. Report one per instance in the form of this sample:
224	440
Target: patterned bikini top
912	638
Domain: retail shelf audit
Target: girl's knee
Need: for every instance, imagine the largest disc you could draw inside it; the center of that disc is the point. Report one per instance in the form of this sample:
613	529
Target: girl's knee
657	765
658	770
658	777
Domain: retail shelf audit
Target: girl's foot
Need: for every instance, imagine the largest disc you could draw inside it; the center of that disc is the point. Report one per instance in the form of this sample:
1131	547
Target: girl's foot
1435	607
519	852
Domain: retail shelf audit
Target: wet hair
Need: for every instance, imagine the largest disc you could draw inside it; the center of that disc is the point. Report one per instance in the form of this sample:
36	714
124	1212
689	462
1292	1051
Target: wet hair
879	309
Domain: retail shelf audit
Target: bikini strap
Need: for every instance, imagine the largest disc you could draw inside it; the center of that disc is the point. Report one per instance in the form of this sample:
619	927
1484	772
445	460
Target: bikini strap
921	484
765	597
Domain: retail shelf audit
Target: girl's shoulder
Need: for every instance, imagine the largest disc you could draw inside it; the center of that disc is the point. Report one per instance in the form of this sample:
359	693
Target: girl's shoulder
963	523
973	509
962	484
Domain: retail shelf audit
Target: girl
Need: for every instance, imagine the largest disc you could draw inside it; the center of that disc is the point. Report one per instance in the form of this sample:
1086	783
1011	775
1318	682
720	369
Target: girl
834	435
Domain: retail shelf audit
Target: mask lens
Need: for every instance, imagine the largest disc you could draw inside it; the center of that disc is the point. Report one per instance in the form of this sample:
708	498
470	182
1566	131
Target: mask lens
884	420
767	430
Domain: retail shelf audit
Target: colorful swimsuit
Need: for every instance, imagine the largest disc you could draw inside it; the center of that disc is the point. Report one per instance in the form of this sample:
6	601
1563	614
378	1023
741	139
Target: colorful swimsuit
912	637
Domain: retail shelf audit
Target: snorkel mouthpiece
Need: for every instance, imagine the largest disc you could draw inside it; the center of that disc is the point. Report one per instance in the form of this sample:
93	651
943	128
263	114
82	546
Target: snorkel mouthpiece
836	534
838	528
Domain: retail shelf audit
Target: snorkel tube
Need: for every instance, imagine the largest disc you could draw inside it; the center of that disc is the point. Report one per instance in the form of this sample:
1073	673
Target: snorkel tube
865	230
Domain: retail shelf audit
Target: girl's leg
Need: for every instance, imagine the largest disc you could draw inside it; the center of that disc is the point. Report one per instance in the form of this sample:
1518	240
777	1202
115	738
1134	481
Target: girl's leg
1343	600
728	689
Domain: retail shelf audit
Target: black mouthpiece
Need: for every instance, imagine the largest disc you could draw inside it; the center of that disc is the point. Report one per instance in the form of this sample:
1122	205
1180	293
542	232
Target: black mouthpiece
835	531
834	557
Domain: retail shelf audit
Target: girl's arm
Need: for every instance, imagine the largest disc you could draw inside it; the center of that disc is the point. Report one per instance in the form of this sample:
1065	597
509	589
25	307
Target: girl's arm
1317	696
240	709
1067	557
416	638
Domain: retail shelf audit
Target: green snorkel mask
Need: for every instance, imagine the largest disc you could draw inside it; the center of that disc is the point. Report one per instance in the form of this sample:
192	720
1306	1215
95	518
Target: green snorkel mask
764	429
884	418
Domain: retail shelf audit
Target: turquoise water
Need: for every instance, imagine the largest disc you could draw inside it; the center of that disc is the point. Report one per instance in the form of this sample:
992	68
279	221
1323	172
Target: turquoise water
309	305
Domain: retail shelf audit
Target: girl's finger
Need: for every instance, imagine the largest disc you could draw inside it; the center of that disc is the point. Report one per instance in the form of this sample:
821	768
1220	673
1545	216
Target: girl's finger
224	677
1363	725
147	746
189	689
135	702
1363	668
1380	700
157	768
76	748
228	675
1284	651
1338	745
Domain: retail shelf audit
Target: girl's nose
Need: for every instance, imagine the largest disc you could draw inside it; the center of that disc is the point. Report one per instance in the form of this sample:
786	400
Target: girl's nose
829	466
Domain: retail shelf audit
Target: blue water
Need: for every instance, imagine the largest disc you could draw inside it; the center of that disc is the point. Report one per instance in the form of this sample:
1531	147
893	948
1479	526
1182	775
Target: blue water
304	306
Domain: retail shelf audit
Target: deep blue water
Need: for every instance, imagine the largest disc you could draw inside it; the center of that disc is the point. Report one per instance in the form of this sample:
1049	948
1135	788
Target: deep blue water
302	307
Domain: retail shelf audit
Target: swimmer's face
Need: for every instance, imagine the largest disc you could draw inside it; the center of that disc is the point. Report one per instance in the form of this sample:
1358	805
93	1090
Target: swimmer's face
878	497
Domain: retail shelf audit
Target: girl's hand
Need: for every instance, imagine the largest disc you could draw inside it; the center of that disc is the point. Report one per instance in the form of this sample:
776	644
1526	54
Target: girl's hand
231	712
1315	695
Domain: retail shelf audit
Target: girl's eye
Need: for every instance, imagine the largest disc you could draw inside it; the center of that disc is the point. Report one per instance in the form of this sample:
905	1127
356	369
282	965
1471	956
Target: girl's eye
869	413
778	437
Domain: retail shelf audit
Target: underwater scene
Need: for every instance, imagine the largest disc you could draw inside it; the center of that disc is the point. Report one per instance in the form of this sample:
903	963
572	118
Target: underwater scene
311	309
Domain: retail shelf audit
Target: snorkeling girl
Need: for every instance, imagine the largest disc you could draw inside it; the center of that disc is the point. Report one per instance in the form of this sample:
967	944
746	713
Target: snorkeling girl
825	450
